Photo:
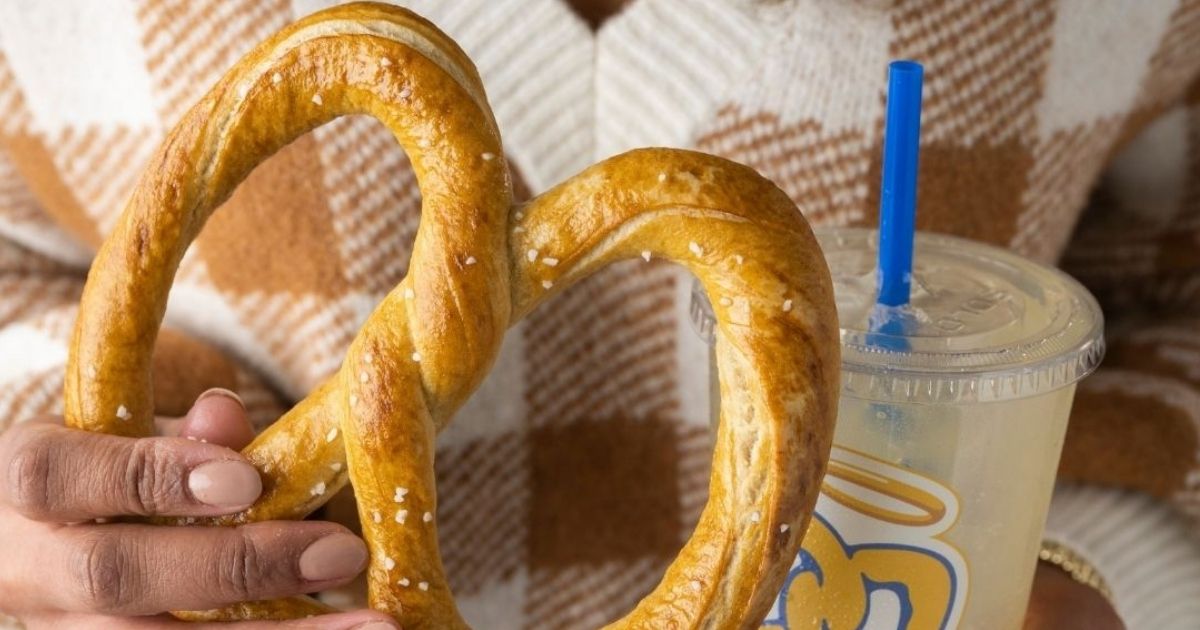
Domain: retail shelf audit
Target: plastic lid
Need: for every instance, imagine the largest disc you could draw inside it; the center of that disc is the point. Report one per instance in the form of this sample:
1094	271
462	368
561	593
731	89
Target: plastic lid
983	324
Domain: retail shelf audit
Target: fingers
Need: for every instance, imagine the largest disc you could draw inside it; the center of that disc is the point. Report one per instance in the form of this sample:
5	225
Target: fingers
219	417
53	473
357	620
130	569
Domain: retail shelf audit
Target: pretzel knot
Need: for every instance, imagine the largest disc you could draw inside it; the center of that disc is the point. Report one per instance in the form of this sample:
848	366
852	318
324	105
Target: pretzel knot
478	265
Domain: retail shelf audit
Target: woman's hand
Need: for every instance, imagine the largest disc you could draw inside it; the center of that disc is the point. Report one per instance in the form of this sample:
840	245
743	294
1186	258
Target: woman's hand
62	569
1060	603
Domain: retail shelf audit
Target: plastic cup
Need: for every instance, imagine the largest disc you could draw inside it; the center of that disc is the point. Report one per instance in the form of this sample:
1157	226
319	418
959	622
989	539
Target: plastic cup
947	442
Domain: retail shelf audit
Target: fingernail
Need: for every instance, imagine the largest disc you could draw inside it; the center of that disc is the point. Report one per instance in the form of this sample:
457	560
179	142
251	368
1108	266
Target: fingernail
225	484
333	557
221	391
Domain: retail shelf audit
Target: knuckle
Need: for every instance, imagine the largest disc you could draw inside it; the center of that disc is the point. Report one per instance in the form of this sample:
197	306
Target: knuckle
152	482
99	570
242	570
30	475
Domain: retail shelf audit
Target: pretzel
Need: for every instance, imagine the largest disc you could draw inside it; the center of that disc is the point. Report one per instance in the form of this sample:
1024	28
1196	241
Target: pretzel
479	264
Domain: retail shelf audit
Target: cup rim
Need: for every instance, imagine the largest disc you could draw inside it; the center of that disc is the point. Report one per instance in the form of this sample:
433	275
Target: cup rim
1069	347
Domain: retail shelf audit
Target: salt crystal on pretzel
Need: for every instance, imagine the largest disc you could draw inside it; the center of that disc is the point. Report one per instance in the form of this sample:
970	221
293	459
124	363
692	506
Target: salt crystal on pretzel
776	420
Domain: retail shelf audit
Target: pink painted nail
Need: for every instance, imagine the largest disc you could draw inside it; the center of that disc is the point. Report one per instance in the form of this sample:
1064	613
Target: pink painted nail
334	557
221	391
227	484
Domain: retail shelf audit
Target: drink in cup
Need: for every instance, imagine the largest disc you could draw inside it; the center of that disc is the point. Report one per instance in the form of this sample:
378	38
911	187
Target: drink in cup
949	433
948	438
959	366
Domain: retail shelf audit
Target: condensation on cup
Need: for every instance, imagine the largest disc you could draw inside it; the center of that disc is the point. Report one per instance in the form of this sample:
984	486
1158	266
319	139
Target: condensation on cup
948	438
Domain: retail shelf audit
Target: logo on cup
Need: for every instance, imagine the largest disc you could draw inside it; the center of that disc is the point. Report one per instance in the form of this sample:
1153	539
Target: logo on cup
872	557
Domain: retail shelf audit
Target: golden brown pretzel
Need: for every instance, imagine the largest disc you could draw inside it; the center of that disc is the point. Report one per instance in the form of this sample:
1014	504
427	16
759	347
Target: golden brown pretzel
477	267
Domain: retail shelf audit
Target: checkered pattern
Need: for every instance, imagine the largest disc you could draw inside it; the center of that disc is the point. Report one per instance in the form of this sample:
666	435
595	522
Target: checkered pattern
575	473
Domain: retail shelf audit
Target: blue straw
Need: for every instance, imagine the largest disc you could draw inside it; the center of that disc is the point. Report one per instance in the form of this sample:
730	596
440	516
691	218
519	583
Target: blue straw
898	201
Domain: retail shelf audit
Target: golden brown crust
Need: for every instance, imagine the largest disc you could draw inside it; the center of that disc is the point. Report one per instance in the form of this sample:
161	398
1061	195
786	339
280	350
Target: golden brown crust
473	274
777	353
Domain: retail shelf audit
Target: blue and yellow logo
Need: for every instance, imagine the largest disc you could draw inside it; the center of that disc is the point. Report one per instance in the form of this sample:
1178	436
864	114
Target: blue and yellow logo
872	557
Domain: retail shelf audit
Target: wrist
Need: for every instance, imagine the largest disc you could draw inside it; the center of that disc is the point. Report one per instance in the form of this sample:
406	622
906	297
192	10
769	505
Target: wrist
1068	560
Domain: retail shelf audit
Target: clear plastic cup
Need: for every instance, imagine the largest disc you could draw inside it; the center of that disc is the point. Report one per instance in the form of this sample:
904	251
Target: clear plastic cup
949	432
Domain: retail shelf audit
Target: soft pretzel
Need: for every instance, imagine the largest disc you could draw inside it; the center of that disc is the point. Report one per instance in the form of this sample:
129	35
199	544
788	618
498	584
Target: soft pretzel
478	265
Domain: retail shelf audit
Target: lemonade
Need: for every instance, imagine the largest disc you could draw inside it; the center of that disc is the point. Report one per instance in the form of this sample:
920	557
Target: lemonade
949	431
997	460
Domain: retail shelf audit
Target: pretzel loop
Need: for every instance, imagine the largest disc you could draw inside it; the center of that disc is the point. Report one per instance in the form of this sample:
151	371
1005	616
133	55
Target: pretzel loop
406	74
432	339
777	355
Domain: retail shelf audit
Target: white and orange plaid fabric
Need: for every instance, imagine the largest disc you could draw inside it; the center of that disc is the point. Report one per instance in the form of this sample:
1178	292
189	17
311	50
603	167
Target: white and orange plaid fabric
578	469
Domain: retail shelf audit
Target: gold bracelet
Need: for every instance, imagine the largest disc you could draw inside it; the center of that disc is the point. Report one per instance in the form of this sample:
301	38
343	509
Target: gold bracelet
1075	565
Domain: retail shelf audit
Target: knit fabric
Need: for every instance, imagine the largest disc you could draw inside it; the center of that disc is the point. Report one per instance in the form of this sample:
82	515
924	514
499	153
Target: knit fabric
1146	552
574	474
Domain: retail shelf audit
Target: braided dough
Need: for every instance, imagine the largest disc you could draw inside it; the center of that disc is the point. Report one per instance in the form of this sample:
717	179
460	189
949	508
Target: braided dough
473	274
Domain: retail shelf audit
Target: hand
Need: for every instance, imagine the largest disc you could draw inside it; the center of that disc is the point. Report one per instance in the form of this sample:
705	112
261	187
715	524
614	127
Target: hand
61	569
1060	603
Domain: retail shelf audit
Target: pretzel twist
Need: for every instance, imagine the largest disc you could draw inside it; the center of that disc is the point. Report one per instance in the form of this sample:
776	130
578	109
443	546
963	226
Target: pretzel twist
473	274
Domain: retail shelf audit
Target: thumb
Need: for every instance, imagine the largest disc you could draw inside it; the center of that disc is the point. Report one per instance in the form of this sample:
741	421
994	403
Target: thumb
218	417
